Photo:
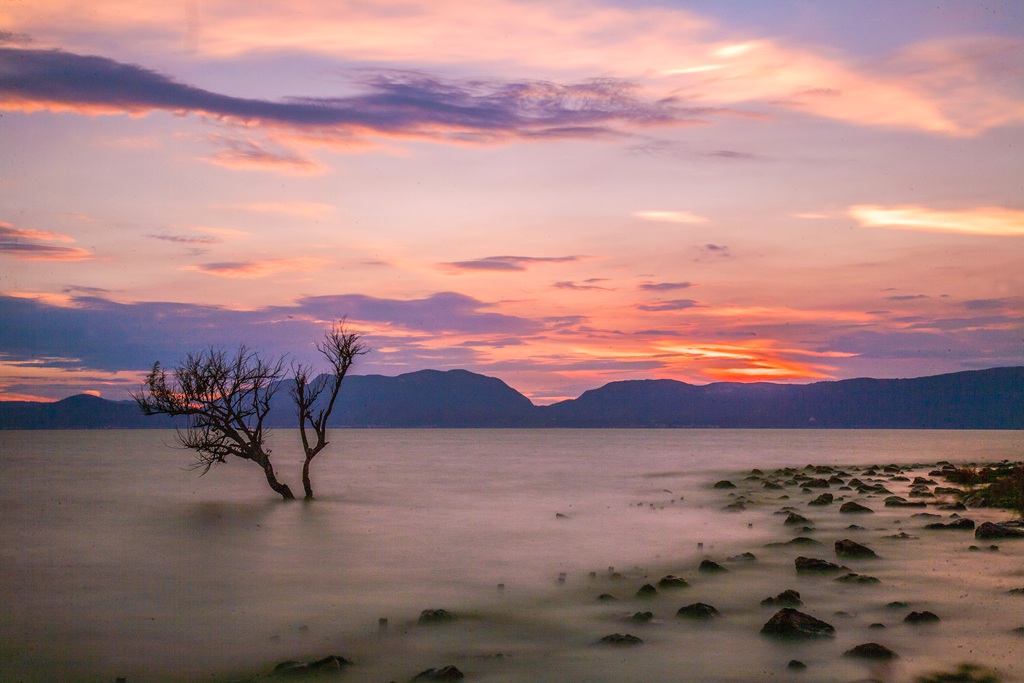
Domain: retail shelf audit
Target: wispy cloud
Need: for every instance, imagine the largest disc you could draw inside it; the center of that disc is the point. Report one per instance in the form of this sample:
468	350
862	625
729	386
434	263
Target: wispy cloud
586	285
673	305
985	220
507	263
670	216
260	268
664	286
251	155
38	245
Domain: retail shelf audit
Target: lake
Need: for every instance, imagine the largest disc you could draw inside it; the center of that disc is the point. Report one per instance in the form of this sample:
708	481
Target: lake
119	561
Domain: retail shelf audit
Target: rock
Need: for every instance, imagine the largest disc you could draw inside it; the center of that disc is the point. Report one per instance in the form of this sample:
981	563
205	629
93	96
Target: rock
902	536
698	611
742	557
897	604
803	540
990	530
877	625
855	508
924	617
641	618
620	639
1017	591
787	598
817	484
963	524
725	484
670	582
871	651
811	565
436	616
860	579
958	506
793	519
796	665
329	663
738	506
711	567
448	673
772	486
646	591
606	597
901	503
823	499
789	624
851	549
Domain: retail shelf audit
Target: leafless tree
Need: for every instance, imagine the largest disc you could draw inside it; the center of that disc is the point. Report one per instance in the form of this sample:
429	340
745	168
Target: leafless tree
315	397
225	399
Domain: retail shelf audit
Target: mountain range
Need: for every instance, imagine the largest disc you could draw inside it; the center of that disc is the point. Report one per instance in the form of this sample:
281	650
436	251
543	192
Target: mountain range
980	399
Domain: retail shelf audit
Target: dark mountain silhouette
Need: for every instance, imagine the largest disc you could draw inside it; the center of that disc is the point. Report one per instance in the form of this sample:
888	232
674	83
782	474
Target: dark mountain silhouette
982	399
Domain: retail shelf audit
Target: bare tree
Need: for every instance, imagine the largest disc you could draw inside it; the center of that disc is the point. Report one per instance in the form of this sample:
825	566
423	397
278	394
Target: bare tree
315	397
225	399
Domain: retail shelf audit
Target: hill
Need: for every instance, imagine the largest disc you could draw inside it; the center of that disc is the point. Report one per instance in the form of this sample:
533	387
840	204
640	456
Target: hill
982	399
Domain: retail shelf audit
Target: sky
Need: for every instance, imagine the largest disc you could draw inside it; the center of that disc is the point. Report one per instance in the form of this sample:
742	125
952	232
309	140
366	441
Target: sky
560	194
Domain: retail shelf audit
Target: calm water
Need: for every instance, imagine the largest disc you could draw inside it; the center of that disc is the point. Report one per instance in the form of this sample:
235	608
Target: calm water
118	561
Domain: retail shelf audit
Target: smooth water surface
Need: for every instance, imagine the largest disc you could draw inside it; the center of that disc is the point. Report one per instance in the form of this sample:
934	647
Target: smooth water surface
119	561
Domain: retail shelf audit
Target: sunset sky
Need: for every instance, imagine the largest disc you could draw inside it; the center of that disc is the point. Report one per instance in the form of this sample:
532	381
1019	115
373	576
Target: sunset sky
558	194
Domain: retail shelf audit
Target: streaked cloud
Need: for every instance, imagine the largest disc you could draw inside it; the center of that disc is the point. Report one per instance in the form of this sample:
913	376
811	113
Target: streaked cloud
673	305
250	155
663	286
38	245
507	263
589	284
985	220
670	216
260	268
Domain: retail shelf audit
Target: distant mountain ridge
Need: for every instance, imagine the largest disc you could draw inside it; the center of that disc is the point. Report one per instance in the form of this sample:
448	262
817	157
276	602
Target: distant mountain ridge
979	399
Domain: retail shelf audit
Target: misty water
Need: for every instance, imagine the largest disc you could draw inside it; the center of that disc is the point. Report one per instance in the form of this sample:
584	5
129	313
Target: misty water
119	561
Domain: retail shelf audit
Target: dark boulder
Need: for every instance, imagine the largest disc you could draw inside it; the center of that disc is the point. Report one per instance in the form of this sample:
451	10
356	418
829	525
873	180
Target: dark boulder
326	665
855	508
620	639
871	651
725	484
796	665
787	598
823	499
851	549
859	579
640	618
990	530
789	624
963	524
447	673
711	567
646	591
669	582
924	617
817	484
811	565
698	611
793	519
436	616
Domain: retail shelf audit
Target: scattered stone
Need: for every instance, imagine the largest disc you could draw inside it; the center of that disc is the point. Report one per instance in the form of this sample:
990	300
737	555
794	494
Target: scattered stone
902	536
698	611
436	616
641	618
789	624
793	519
871	651
670	582
796	665
897	604
711	567
823	499
327	664
817	484
877	625
924	617
860	579
962	524
725	484
742	557
811	565
559	515
854	508
957	506
620	639
738	506
965	673
787	598
772	486
1017	591
851	549
448	673
990	530
646	591
606	597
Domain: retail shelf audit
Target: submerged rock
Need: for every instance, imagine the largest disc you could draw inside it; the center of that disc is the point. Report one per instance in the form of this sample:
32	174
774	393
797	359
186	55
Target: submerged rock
793	519
991	530
855	508
620	639
796	665
851	549
640	618
646	591
670	582
329	663
725	484
924	617
860	579
812	565
823	499
963	524
871	651
787	598
742	557
789	624
698	611
436	616
711	567
447	673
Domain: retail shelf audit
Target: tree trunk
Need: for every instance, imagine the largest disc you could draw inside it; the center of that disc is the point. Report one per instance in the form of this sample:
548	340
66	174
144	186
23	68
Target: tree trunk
306	483
279	488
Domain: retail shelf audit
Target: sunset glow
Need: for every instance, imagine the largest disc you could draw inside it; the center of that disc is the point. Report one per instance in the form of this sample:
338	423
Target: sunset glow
557	194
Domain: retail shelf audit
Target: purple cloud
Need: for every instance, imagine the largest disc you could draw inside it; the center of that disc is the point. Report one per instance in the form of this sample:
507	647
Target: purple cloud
674	305
508	263
664	286
588	284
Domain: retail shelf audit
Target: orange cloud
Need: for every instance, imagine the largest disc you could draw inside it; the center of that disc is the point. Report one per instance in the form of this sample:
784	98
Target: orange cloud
262	268
35	245
670	216
986	220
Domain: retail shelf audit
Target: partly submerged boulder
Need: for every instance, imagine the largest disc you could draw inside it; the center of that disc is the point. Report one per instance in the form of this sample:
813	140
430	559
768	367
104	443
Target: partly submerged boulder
436	616
871	651
790	624
447	673
620	639
851	549
698	611
787	598
991	530
855	508
812	565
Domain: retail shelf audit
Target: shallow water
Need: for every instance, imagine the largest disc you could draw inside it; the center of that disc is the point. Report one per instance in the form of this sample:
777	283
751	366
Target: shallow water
118	561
